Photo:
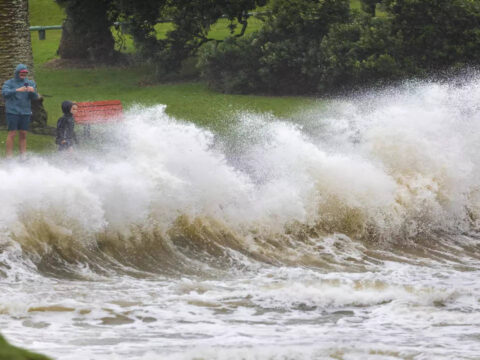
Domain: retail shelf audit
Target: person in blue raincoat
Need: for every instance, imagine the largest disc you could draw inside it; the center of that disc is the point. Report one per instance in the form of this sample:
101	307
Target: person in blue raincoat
18	94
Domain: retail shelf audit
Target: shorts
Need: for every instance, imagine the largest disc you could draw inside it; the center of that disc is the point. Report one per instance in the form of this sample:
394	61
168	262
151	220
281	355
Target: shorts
18	122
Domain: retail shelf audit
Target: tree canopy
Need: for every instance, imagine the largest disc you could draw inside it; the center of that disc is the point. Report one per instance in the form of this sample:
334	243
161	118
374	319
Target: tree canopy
87	33
411	38
304	46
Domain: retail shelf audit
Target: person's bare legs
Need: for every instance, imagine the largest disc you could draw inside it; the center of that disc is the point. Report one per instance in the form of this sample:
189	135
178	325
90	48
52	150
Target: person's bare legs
23	141
9	143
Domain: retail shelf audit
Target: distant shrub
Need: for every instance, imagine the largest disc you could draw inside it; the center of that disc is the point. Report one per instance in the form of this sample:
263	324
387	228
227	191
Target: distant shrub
309	46
358	53
232	66
436	34
278	58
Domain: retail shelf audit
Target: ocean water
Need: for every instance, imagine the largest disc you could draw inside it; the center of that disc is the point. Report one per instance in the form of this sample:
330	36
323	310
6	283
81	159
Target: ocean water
347	231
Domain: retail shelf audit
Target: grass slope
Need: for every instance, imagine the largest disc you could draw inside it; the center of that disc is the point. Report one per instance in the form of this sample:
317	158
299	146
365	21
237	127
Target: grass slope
9	352
45	12
191	101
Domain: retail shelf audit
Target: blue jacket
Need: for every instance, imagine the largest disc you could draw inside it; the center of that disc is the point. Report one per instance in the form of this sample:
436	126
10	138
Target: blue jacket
18	102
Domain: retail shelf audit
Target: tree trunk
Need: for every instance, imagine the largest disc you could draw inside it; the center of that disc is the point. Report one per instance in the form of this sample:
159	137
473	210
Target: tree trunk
16	48
86	31
369	6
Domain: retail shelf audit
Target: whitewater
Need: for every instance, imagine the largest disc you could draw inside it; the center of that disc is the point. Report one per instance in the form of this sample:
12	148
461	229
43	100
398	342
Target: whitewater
349	230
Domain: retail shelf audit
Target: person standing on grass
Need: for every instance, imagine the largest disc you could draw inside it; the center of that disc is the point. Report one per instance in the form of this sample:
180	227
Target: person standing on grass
18	94
65	133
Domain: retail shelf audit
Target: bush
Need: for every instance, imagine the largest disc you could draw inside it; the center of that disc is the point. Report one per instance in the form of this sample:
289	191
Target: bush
436	34
231	66
280	58
359	53
316	46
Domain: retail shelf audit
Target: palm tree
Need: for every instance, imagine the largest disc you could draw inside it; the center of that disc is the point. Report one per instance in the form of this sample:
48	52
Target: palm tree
16	48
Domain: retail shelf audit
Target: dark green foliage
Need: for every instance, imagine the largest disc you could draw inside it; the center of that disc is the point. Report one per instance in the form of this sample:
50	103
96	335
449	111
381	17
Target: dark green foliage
290	42
358	53
369	6
87	34
315	46
9	352
140	18
436	34
228	68
305	46
306	18
192	20
282	57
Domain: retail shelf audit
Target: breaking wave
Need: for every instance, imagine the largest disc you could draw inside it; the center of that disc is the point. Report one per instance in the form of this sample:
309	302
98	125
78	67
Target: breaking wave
385	175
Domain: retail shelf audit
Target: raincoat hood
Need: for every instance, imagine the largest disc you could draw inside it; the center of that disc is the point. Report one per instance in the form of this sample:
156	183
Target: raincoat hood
18	69
67	106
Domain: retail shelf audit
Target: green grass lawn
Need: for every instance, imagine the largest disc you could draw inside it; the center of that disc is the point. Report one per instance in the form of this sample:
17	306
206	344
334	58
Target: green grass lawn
9	352
45	12
355	4
191	101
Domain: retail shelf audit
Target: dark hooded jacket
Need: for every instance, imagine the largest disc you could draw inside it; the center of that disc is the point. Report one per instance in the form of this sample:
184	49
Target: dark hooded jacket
18	102
65	126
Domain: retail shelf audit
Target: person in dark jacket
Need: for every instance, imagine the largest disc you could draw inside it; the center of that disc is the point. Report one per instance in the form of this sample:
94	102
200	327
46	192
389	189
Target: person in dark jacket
65	127
18	94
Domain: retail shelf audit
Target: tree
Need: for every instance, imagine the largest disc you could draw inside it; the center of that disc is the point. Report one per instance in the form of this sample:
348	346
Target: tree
191	19
16	48
369	6
284	57
359	53
86	30
436	34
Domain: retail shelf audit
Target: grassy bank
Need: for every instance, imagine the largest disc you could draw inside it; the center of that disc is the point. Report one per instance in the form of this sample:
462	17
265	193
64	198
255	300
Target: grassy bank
9	352
191	101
